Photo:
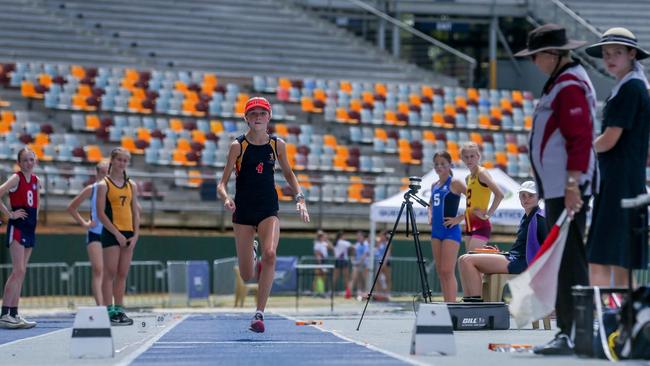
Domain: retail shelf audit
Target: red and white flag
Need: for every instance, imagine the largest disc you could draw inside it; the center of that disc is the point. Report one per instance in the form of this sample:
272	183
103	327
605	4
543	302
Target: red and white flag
534	291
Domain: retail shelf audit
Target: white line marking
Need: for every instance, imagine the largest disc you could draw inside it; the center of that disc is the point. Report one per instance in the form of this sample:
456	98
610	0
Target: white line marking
257	342
369	346
133	355
34	337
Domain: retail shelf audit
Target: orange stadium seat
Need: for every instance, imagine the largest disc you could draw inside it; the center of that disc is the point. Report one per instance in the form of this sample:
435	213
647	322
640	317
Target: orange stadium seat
129	143
135	104
281	195
472	95
210	82
28	90
354	189
144	134
84	90
342	115
92	122
390	117
501	158
428	135
461	102
179	157
483	121
183	145
78	71
216	127
307	104
403	107
346	86
329	140
41	139
438	119
506	105
528	122
176	125
381	134
45	80
355	105
284	83
368	97
427	91
304	180
7	117
414	99
198	136
180	86
93	153
79	102
380	88
476	138
281	130
194	179
319	94
38	150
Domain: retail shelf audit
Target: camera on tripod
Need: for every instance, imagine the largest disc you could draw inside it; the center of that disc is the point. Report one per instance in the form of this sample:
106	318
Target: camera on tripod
415	183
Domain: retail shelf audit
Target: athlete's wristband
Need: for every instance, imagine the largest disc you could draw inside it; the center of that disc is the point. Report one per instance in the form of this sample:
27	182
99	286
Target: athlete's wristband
300	196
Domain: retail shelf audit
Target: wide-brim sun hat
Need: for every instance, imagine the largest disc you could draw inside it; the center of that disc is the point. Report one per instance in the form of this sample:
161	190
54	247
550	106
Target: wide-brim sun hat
617	35
548	37
257	102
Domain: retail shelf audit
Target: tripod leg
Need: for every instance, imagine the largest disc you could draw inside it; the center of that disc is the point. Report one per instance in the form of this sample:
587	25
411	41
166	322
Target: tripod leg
424	282
381	262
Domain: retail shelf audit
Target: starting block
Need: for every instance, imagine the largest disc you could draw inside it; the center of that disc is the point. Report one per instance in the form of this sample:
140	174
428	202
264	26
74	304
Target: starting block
91	334
433	332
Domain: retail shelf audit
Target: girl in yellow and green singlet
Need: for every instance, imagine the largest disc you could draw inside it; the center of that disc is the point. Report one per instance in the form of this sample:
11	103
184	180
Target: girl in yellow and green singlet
117	208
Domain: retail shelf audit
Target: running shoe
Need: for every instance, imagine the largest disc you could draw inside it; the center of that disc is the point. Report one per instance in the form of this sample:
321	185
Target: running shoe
257	324
9	322
120	319
24	323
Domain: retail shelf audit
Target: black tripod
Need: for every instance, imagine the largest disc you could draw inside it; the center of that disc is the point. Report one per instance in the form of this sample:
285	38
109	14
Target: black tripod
410	218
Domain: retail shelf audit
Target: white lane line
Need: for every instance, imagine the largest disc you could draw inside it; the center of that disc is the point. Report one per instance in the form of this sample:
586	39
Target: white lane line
133	355
363	344
34	337
257	342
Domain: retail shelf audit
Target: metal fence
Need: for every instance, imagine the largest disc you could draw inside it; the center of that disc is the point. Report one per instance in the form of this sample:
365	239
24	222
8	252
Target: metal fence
45	285
50	285
403	278
61	285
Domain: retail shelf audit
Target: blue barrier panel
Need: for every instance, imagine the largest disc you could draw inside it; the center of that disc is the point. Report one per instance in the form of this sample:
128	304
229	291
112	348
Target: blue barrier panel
198	280
285	275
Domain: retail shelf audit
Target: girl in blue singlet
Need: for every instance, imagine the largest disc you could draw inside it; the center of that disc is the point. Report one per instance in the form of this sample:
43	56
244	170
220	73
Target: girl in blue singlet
445	233
94	227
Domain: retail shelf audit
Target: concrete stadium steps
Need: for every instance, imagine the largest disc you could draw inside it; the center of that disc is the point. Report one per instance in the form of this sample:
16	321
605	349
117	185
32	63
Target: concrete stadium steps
218	36
631	14
30	32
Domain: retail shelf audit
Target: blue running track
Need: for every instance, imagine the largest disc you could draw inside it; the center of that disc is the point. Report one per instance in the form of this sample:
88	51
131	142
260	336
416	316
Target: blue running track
224	339
45	325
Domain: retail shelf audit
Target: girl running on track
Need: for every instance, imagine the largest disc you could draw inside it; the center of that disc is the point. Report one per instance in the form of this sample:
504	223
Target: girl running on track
23	188
445	226
117	209
255	206
94	227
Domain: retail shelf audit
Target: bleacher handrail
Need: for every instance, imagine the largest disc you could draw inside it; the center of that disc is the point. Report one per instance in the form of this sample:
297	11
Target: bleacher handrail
404	26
